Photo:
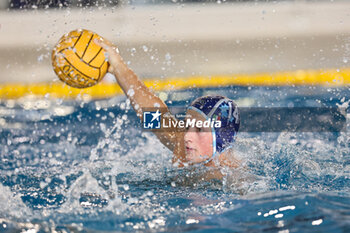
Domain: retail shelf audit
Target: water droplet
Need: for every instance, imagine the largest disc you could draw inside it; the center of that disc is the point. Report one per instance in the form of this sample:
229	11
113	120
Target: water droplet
131	92
41	58
167	56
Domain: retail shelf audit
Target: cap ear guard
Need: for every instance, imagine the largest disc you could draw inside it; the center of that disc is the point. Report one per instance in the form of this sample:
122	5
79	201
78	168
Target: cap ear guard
224	137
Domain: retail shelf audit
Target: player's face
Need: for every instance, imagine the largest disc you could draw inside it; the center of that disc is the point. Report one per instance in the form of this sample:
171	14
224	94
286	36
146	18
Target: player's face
198	141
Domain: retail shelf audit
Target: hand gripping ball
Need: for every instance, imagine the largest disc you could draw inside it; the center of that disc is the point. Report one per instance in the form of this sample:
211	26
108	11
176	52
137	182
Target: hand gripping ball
78	61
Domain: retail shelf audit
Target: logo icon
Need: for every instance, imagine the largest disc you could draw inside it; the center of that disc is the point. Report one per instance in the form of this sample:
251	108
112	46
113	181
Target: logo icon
151	120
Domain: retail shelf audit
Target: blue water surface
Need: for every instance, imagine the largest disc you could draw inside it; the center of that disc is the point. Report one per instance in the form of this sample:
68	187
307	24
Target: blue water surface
87	166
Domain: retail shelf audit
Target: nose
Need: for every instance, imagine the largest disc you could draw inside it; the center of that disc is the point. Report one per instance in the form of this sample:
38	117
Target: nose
188	136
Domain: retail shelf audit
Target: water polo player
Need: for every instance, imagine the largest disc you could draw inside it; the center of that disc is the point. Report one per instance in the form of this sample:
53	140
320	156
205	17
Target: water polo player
191	144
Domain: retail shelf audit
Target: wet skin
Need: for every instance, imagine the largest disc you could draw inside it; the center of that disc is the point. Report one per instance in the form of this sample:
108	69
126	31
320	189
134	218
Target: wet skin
198	141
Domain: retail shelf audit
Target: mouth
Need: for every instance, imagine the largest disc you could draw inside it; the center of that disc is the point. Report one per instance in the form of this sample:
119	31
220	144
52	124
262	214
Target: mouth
189	149
190	153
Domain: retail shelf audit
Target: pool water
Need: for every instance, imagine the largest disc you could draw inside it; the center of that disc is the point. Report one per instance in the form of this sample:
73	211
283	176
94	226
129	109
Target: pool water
86	165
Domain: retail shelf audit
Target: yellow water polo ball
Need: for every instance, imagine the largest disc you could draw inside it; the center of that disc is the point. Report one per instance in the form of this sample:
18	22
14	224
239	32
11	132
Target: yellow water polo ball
78	61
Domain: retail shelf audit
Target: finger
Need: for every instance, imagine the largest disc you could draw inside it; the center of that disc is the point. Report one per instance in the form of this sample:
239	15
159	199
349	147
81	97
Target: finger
110	69
107	42
106	45
100	43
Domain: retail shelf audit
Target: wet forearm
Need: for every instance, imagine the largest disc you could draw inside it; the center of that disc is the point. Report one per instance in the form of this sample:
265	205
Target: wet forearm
139	95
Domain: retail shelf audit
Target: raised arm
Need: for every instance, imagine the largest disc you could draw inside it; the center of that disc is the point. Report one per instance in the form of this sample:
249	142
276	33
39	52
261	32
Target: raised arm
140	96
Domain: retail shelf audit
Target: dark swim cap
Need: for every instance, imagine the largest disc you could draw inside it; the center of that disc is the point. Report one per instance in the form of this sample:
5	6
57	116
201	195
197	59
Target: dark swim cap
219	108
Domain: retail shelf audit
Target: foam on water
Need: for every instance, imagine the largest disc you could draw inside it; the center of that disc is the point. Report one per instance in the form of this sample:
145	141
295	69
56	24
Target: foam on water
12	206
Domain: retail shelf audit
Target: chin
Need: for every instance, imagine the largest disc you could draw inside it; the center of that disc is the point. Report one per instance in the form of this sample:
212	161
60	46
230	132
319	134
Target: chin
191	158
194	159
